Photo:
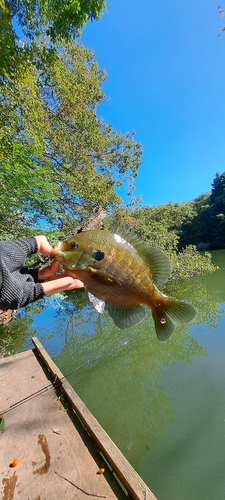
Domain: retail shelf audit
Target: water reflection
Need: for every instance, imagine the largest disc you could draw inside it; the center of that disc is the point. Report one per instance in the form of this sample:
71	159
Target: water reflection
117	374
163	404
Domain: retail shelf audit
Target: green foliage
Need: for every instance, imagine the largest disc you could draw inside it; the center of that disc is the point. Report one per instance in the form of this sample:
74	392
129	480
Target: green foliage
218	188
52	19
8	49
57	159
194	230
190	263
160	225
206	226
60	19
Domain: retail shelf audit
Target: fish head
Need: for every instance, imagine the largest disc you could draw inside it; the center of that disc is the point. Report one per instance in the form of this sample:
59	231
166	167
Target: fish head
77	252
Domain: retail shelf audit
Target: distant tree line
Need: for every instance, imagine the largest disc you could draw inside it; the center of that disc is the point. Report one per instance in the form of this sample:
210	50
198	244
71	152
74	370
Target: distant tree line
175	226
205	226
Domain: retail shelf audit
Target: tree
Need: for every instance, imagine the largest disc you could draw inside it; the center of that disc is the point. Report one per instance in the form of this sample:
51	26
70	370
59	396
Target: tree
218	188
159	226
195	229
205	227
53	19
217	212
60	19
58	159
8	49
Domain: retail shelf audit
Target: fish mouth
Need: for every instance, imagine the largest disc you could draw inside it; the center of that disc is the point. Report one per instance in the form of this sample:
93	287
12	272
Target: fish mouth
56	253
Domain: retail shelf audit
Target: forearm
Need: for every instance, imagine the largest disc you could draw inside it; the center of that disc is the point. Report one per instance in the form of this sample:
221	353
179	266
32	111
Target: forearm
17	286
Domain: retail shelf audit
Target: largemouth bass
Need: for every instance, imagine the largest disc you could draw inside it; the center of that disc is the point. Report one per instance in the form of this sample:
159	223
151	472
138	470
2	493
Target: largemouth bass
121	274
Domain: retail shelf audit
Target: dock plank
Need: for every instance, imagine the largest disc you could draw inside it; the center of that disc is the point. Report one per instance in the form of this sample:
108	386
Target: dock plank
29	436
133	483
59	454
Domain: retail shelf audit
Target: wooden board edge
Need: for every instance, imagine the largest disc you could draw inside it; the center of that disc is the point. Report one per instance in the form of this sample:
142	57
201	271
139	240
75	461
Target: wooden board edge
133	483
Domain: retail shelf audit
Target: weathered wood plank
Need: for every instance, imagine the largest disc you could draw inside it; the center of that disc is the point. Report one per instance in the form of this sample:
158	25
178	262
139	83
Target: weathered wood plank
34	411
123	469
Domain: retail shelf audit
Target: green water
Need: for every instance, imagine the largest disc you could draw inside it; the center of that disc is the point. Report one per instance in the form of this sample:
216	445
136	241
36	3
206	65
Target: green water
162	404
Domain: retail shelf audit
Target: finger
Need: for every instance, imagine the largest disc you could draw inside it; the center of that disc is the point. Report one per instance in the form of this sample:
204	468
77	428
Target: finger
54	277
44	246
61	284
48	271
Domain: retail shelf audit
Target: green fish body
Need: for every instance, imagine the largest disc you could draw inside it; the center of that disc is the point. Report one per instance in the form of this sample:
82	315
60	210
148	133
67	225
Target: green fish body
120	275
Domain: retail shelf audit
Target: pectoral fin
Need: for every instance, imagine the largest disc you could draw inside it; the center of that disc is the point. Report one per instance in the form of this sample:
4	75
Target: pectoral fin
103	278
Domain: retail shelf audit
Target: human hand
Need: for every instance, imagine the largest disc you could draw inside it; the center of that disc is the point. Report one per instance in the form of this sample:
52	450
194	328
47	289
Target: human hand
51	282
20	285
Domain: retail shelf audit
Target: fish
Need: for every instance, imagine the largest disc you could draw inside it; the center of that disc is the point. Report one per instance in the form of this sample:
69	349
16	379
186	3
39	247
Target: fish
121	275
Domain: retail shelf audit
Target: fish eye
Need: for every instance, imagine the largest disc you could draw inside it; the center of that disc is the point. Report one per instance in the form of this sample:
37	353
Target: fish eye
73	245
98	255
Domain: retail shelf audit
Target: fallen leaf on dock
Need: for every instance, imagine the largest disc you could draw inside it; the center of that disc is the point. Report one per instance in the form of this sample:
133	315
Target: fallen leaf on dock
2	423
62	408
56	431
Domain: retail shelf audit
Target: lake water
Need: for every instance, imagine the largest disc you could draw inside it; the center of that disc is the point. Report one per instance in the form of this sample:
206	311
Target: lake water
162	404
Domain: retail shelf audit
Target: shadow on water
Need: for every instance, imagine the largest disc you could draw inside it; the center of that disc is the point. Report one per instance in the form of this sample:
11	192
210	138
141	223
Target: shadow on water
162	404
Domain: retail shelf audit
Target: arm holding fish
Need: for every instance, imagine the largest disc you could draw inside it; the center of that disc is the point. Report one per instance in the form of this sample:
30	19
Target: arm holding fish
20	285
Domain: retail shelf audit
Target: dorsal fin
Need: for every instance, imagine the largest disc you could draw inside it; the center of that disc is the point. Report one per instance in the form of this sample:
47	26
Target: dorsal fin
155	258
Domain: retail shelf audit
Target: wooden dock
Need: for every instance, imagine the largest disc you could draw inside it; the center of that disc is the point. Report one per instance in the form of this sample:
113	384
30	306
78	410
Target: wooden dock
60	445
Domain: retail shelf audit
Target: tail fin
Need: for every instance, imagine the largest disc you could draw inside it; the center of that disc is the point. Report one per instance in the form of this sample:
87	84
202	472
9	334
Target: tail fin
172	314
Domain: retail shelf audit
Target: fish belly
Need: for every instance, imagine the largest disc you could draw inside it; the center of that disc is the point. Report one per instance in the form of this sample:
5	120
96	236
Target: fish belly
121	292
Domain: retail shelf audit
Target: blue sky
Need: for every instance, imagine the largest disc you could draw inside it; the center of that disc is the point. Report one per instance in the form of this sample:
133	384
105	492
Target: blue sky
166	81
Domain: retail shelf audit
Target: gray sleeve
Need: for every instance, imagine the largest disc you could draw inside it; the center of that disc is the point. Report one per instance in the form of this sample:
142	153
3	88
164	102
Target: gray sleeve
17	286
